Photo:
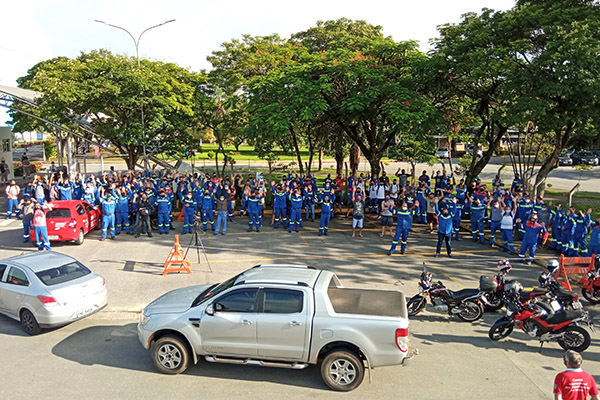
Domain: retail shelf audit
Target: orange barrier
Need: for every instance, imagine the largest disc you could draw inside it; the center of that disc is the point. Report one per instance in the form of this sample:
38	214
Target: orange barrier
180	217
177	257
563	271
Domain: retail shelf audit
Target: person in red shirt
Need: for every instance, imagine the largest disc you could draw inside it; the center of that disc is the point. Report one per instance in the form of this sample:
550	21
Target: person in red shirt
339	193
574	383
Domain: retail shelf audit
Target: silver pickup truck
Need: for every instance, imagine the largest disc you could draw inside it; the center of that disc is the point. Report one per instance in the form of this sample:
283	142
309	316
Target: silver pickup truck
279	316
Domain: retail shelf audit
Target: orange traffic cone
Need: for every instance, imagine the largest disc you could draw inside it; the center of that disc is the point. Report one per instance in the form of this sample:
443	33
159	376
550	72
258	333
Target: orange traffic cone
180	217
177	257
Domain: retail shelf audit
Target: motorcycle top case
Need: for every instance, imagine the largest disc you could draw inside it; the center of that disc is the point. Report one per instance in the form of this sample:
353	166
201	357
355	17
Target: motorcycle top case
487	283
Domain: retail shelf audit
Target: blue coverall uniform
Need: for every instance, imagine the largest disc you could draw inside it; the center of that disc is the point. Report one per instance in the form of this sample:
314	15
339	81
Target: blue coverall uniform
567	235
109	205
445	229
594	240
296	212
403	225
207	212
524	209
253	208
422	209
530	239
557	224
477	216
189	209
163	207
279	208
122	213
456	210
326	207
580	234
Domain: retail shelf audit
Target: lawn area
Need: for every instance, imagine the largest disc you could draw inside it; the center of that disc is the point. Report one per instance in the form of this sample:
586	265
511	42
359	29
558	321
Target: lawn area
246	153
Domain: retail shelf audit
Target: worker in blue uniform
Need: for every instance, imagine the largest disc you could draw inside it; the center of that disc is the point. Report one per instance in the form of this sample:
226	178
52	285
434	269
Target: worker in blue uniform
456	209
568	230
594	247
296	200
207	210
108	205
530	239
445	229
189	210
524	209
279	205
122	212
582	224
558	216
253	209
404	217
477	215
309	202
163	207
326	207
422	193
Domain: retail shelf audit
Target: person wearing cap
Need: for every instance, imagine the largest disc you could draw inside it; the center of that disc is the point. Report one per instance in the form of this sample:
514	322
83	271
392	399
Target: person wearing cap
4	171
326	207
108	205
530	239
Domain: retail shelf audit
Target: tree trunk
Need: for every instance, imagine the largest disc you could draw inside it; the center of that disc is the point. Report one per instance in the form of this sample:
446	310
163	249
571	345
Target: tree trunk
551	161
132	157
478	166
413	168
374	159
297	150
339	162
354	158
321	159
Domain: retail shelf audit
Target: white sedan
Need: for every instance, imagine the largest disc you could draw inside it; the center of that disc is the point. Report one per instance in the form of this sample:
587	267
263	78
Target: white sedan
49	289
442	153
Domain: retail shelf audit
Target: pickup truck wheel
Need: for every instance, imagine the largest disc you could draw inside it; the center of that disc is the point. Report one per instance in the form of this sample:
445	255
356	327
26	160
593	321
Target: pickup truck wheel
342	371
170	355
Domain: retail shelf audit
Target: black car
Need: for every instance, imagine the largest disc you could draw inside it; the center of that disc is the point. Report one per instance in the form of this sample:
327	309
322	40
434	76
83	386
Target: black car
584	157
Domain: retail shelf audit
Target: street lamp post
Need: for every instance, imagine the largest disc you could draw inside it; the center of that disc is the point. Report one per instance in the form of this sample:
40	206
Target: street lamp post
137	56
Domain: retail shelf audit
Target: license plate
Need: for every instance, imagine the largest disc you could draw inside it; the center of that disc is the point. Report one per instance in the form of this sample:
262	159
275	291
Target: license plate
555	305
53	237
577	305
82	313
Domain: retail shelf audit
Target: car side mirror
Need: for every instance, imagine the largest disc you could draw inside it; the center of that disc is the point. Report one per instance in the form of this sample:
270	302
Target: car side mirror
210	310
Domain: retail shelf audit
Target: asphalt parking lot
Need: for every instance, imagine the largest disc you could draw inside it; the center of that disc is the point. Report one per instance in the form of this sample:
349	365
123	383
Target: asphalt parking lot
100	357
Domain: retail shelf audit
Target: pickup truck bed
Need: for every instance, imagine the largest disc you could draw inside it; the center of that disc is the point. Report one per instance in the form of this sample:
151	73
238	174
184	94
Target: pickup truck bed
367	302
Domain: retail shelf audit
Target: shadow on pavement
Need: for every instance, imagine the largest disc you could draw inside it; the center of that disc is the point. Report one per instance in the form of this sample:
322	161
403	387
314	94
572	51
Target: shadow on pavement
118	346
9	326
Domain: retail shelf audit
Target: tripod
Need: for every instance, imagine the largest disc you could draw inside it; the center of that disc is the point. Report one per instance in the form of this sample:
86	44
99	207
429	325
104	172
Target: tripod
197	244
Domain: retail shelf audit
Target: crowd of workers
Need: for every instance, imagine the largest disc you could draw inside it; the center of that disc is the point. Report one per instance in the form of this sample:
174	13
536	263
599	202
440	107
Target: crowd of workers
131	202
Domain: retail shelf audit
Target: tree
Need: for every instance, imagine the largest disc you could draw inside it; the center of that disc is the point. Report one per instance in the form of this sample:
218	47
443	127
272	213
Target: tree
112	94
415	149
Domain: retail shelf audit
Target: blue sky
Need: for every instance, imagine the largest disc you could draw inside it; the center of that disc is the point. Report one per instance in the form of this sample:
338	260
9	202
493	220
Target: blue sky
35	30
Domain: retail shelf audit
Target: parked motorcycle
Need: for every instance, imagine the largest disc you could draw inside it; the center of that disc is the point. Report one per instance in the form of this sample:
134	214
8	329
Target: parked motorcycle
466	303
545	322
591	284
494	300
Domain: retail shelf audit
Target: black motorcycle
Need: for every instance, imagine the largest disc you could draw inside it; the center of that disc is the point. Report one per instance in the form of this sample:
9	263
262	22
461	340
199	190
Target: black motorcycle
466	303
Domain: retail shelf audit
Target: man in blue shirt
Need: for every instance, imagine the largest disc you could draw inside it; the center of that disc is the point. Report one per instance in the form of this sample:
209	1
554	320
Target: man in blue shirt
296	200
109	205
326	207
279	205
163	206
403	224
530	239
477	215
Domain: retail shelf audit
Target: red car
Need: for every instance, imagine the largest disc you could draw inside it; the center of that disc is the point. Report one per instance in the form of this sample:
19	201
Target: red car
70	220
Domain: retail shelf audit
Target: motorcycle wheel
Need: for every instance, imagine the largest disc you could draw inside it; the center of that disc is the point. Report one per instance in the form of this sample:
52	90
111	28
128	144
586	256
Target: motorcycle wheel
500	330
416	305
575	338
471	311
592	297
494	301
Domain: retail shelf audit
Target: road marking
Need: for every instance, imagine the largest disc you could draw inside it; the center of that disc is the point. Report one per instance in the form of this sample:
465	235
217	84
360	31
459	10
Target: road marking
304	240
6	222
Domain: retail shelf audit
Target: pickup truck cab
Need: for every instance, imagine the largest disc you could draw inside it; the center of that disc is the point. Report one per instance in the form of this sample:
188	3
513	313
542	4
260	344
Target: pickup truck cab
280	316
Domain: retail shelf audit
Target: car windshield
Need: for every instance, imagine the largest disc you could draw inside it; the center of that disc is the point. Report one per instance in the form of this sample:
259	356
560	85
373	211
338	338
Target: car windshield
62	274
58	213
214	290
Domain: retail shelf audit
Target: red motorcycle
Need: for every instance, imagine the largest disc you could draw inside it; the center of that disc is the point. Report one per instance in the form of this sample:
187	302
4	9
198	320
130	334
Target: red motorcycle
591	284
545	322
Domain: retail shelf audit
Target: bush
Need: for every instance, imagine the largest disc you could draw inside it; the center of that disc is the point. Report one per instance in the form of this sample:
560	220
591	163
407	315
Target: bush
49	149
211	155
34	166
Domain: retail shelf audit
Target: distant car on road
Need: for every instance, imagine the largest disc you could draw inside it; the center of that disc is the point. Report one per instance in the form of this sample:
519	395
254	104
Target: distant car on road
565	159
584	157
70	220
470	151
49	289
442	152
